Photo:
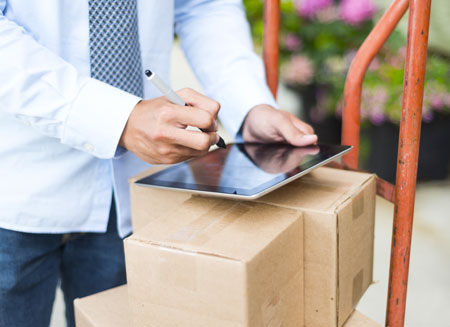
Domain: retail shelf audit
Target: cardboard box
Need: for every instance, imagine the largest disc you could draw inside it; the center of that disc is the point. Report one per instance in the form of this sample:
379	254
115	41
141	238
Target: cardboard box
104	309
218	263
111	309
339	212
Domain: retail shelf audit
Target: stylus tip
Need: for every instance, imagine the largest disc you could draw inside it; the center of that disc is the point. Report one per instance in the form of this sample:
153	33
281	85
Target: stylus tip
221	143
148	73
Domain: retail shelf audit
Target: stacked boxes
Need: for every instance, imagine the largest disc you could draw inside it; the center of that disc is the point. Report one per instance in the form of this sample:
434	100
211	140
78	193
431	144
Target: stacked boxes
299	256
111	309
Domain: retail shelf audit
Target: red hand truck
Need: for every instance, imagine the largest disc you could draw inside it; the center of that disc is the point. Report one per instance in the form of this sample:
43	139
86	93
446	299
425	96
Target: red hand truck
403	193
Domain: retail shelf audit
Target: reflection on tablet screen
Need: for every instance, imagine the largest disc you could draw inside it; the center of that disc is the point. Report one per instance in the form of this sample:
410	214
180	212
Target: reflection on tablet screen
243	169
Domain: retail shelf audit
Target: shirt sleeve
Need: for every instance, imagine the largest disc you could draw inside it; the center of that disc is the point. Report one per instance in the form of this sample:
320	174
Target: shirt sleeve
47	93
215	37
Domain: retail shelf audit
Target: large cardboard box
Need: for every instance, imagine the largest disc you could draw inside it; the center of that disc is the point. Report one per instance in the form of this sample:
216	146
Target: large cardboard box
218	263
111	309
339	212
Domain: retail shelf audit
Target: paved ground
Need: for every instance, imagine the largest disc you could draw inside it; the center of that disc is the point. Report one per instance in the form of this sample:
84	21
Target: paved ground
429	285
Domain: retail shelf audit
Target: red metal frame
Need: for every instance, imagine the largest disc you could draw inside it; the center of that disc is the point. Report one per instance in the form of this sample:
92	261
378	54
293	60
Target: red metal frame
410	124
408	155
355	78
270	43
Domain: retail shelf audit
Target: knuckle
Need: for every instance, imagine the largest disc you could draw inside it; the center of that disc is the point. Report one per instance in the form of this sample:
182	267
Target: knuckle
280	117
203	144
216	106
167	113
208	119
159	134
164	151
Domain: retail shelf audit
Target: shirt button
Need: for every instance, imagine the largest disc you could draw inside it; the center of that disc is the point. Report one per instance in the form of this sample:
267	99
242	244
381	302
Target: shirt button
88	147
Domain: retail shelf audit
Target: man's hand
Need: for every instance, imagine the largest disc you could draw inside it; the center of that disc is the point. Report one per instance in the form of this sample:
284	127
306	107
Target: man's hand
265	124
156	129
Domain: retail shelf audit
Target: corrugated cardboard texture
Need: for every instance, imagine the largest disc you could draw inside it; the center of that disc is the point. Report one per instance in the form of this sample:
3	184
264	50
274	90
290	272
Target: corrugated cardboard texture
105	309
111	309
338	211
356	240
218	263
150	203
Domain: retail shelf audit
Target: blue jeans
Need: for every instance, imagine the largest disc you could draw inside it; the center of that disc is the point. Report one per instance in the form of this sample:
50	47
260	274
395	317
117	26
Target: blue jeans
32	264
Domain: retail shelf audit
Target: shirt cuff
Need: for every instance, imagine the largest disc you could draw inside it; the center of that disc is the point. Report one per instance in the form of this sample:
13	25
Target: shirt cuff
97	118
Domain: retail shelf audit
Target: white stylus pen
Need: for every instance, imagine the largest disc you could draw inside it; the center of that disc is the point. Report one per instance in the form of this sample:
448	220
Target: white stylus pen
170	95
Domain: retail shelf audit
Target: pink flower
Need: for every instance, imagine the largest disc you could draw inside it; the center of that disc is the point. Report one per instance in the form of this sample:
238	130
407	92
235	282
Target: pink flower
357	11
328	14
307	8
373	104
427	115
437	101
292	42
299	70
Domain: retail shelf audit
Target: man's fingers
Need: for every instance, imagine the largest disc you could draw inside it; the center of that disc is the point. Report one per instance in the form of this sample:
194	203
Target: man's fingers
195	139
199	100
295	136
182	153
304	127
195	117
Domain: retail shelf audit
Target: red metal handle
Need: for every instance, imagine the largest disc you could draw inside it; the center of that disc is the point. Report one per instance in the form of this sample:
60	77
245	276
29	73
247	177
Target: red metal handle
355	78
408	154
271	43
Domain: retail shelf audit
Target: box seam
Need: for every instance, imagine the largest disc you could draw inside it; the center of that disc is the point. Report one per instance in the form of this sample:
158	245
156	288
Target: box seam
175	248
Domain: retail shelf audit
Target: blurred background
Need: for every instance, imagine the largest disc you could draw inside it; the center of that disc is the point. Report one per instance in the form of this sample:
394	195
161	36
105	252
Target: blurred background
319	39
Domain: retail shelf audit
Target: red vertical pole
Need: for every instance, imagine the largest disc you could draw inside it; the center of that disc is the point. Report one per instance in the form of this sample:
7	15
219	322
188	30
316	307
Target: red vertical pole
408	153
270	43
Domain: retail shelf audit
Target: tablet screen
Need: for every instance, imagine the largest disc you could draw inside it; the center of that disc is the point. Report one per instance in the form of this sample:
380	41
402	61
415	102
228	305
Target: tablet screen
245	169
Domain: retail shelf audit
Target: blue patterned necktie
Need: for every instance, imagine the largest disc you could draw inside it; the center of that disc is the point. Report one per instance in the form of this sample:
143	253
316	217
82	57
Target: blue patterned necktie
114	44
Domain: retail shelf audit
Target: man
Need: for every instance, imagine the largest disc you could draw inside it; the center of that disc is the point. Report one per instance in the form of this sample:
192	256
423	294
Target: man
74	127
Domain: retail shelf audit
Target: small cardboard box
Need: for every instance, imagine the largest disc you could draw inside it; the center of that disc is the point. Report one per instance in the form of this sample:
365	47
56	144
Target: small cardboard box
111	309
104	309
339	212
218	263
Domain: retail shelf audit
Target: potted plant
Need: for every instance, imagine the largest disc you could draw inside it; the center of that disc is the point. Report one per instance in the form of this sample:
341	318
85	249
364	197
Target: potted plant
319	39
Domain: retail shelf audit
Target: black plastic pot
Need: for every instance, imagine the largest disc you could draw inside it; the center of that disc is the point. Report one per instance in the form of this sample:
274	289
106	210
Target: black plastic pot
434	152
328	129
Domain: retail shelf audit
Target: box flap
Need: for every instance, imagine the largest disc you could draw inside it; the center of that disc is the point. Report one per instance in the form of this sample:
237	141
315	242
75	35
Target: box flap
104	309
357	319
148	203
231	229
323	190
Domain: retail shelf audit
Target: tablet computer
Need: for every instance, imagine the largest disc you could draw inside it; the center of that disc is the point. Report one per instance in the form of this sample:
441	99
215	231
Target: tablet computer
244	170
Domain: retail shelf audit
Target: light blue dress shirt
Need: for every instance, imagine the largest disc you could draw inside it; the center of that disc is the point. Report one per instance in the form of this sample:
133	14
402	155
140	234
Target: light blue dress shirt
59	128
